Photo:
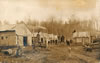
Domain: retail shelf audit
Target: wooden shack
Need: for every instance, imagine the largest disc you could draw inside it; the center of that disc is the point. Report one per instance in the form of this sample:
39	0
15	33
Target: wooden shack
15	35
82	37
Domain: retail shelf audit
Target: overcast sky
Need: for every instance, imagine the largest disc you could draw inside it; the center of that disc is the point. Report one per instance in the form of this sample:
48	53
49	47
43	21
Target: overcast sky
13	10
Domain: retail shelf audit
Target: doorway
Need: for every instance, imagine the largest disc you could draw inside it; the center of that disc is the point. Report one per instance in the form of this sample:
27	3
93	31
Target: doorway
25	40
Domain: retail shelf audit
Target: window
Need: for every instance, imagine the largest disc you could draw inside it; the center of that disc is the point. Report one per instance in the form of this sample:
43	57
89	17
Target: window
2	38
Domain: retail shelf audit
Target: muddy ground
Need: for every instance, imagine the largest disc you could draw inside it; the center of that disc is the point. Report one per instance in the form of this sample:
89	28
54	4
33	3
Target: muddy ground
54	54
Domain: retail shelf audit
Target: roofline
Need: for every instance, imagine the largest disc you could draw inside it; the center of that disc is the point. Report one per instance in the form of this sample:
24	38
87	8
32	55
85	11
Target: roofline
8	31
24	24
27	27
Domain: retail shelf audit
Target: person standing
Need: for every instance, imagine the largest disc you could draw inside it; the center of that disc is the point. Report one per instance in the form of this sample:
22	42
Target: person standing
39	39
62	38
69	47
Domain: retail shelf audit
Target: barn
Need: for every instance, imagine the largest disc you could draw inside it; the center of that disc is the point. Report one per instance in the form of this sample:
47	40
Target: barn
15	35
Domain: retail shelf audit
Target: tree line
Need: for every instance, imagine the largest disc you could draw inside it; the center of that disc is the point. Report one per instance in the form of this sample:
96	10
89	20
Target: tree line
59	27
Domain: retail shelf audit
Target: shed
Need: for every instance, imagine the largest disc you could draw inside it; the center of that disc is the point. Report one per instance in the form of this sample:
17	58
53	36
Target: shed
15	35
81	37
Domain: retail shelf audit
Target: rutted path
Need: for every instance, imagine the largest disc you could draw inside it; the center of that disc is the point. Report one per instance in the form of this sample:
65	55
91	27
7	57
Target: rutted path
57	54
61	55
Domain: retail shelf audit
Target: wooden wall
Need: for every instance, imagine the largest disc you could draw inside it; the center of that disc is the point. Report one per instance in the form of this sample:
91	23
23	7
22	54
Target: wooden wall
7	38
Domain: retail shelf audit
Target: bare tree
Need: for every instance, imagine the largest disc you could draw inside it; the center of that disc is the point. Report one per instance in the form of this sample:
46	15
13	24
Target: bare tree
31	24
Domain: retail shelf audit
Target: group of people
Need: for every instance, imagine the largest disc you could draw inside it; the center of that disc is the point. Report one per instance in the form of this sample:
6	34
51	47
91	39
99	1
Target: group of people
60	39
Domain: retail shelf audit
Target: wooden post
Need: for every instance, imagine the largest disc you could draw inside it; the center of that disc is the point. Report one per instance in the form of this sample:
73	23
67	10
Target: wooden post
47	43
16	39
89	39
83	41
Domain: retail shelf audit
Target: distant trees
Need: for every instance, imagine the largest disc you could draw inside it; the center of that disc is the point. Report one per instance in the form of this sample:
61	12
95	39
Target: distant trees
53	26
66	29
31	24
57	27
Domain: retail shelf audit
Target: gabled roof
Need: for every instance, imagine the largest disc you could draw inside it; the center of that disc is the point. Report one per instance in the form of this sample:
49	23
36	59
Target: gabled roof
21	29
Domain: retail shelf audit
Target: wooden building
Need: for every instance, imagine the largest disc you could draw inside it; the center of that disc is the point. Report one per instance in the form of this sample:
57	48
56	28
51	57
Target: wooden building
82	37
15	35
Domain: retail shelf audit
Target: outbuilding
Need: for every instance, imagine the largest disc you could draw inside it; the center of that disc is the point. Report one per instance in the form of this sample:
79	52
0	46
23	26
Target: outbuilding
15	35
82	37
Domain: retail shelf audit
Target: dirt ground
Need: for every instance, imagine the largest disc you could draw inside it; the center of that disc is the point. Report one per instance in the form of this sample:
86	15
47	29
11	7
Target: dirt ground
54	54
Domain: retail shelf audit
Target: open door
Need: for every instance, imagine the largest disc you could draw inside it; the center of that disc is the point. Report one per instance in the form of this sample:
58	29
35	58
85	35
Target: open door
25	40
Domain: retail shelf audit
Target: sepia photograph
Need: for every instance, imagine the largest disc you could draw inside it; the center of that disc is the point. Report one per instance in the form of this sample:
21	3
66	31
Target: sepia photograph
49	31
